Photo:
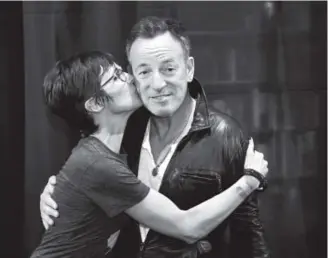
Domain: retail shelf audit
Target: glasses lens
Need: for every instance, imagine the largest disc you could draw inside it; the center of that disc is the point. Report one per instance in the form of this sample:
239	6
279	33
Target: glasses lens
121	75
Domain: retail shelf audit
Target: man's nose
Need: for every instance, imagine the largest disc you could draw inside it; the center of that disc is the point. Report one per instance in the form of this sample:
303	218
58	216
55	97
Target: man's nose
158	81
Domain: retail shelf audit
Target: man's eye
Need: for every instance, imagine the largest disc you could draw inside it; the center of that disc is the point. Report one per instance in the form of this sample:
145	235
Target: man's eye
169	69
143	72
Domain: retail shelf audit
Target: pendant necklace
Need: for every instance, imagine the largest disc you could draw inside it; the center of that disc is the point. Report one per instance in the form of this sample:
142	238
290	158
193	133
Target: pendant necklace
156	168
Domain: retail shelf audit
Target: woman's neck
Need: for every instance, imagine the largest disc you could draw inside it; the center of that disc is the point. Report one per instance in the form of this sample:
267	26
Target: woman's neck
112	141
111	130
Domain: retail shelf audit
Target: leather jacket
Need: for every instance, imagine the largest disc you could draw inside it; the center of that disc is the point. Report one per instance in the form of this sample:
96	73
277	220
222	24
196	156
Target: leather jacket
207	161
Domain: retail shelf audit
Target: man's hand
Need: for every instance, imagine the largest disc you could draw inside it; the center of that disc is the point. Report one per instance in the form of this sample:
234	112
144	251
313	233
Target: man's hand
47	205
255	160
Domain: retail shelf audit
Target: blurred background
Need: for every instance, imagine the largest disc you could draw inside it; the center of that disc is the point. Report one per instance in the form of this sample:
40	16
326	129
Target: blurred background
265	63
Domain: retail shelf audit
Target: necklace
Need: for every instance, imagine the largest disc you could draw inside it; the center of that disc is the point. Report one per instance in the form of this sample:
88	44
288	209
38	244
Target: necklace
168	150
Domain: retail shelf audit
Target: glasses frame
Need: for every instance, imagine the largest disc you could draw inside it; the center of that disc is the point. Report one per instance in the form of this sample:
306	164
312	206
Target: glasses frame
118	73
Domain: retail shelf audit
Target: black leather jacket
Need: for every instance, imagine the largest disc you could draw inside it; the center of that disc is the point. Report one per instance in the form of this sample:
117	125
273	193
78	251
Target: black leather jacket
207	161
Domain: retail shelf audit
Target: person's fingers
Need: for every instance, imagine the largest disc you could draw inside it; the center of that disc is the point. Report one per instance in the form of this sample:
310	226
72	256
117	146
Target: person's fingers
266	170
42	204
45	225
259	155
46	203
46	219
51	203
52	180
47	200
250	148
49	189
264	166
50	211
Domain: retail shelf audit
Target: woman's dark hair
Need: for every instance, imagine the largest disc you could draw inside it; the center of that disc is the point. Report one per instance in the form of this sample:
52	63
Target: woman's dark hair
73	81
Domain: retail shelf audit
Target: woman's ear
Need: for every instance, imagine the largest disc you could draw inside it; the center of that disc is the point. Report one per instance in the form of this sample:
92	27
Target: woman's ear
92	107
101	70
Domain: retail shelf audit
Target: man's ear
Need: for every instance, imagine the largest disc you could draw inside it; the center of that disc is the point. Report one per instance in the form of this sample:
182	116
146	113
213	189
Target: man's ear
92	107
190	68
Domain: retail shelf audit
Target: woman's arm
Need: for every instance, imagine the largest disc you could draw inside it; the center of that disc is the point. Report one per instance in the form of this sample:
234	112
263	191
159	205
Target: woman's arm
160	214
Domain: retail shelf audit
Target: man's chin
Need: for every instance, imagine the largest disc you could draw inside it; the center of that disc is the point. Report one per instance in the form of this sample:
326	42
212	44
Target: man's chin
162	112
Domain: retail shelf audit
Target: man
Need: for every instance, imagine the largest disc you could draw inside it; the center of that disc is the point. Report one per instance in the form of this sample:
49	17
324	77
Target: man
188	162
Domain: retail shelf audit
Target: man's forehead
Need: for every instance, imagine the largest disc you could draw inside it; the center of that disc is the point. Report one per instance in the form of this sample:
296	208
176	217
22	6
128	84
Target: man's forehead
157	57
163	47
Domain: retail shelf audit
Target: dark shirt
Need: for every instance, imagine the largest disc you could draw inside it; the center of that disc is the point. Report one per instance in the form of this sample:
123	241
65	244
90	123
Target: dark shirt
93	190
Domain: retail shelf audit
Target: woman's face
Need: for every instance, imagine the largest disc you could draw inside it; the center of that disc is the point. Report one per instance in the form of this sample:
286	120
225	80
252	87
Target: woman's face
120	88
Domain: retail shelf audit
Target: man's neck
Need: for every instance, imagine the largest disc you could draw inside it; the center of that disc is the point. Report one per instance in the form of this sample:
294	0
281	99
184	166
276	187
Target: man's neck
165	130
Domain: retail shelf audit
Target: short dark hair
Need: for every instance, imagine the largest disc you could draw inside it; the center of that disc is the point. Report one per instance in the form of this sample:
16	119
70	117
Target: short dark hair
152	26
73	81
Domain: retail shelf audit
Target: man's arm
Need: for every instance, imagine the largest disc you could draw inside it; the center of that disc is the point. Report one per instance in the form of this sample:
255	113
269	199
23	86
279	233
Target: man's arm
246	230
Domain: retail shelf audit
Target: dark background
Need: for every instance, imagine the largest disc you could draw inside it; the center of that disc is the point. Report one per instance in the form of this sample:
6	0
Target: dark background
263	62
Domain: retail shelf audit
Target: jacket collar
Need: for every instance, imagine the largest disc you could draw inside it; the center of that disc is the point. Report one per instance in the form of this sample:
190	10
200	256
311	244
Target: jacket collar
201	116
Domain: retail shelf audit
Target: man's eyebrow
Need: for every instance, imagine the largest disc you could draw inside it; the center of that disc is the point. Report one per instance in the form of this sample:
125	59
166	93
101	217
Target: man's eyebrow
141	65
169	60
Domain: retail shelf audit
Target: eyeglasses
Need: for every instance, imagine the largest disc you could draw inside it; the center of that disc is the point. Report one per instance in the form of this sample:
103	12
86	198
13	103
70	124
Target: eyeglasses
118	73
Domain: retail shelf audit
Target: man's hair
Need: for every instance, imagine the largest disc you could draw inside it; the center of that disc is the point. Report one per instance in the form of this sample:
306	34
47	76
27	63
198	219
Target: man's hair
152	26
73	81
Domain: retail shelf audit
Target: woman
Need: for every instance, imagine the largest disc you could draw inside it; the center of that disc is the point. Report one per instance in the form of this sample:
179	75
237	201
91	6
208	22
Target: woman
96	192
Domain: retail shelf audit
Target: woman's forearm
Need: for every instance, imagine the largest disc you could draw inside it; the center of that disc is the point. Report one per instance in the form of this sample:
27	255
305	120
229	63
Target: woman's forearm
160	214
200	220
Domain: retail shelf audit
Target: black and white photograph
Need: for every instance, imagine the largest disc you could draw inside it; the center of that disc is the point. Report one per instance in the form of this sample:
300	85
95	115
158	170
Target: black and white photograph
163	129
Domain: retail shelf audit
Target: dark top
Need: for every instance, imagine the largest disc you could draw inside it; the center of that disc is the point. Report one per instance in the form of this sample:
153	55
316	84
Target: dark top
93	190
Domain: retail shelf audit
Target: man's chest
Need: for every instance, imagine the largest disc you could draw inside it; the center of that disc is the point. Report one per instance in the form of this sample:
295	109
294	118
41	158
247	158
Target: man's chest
190	174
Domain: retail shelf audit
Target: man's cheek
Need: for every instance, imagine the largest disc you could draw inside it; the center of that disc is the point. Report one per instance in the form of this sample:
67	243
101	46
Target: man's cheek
137	84
138	89
141	87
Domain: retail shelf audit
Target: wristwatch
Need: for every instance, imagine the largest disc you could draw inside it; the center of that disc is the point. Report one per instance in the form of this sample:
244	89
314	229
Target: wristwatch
263	181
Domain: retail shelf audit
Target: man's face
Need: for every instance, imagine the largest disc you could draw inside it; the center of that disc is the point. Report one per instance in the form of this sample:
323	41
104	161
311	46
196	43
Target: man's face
162	72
